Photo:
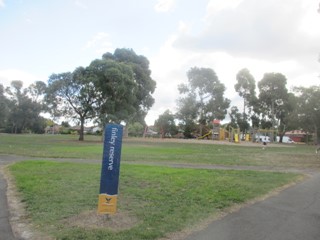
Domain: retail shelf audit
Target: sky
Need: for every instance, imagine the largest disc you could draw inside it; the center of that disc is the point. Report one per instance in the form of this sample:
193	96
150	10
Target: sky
38	38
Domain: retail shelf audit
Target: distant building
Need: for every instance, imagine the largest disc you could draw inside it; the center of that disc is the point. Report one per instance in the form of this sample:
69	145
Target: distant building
55	129
95	129
149	132
296	135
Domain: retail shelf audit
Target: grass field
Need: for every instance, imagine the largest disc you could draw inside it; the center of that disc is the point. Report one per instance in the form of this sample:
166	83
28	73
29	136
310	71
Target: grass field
154	201
166	151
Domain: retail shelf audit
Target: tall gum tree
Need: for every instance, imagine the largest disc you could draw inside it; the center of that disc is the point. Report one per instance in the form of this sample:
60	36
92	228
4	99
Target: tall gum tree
115	88
23	111
245	87
308	109
4	109
72	95
274	99
144	84
208	93
165	124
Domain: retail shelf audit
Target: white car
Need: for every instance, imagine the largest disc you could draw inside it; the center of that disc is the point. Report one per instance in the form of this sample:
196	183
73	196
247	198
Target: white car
285	139
263	139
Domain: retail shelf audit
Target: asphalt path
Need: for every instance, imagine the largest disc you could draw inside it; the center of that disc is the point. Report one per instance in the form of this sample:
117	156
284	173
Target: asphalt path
293	214
5	227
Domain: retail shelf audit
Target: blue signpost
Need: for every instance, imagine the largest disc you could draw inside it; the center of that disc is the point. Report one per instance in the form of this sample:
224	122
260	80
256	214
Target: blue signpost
110	170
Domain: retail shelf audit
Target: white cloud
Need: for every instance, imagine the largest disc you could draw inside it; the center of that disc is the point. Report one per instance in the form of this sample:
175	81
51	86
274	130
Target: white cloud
99	43
215	6
164	5
80	4
241	35
2	3
9	75
310	22
260	29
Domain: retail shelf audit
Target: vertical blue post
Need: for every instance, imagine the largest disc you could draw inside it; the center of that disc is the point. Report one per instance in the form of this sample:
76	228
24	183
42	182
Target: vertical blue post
110	170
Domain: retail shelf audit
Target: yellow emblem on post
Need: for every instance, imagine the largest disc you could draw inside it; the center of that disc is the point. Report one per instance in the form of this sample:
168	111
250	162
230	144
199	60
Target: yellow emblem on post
107	204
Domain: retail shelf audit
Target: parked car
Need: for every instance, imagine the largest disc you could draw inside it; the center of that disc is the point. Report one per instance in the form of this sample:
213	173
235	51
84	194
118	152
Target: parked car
261	138
285	139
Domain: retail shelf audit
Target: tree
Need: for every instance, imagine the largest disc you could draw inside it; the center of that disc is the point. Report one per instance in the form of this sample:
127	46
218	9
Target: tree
237	120
73	95
135	129
245	87
187	114
24	113
116	88
273	98
308	109
129	73
207	93
4	110
165	124
65	124
145	85
37	90
292	119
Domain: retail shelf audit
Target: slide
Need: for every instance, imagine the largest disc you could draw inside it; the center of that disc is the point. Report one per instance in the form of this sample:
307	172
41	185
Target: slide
206	135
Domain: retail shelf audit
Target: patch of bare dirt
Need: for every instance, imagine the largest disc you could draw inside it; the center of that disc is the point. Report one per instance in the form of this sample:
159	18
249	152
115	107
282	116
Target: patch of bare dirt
92	220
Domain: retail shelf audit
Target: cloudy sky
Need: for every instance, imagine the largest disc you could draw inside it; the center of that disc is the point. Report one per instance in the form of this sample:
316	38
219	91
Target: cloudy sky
38	38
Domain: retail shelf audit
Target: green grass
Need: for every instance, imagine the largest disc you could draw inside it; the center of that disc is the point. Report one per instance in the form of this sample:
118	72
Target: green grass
157	151
162	199
51	146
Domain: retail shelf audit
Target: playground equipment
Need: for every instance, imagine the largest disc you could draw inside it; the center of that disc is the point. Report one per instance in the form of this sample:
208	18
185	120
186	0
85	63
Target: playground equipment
234	135
217	133
207	135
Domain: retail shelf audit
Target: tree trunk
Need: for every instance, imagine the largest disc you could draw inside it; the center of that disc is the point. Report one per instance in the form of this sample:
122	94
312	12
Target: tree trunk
162	132
315	141
126	131
81	132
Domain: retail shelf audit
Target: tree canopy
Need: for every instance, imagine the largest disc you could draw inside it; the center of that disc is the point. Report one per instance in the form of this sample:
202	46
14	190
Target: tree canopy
118	87
72	95
19	112
165	124
274	99
308	109
207	94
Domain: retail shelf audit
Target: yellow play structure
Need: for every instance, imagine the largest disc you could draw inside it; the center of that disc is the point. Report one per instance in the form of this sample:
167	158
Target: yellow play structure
207	135
218	134
234	134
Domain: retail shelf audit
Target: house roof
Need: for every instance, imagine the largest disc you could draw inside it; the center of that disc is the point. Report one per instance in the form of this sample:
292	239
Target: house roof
295	132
